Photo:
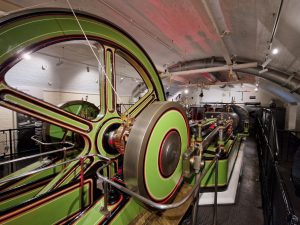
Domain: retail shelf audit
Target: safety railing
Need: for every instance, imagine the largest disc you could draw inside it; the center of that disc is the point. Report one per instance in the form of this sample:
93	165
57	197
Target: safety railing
11	139
79	159
104	181
14	143
64	149
278	209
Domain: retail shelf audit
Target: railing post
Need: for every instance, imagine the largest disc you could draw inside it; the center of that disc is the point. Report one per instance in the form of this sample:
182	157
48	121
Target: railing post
10	151
216	191
104	208
196	201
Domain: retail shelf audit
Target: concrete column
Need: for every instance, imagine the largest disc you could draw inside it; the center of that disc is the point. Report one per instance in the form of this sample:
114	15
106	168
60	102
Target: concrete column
298	117
291	116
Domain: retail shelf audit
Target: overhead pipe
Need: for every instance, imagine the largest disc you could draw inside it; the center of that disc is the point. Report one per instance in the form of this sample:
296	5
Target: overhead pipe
216	69
224	48
275	25
273	75
277	77
274	30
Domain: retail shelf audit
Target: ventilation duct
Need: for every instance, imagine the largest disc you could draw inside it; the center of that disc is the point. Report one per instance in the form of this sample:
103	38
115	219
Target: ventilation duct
281	78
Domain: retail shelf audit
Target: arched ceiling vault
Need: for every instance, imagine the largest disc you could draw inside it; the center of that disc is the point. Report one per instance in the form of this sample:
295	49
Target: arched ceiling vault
174	32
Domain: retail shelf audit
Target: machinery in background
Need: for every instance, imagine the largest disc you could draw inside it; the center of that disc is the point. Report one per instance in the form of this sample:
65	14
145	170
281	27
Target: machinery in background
215	134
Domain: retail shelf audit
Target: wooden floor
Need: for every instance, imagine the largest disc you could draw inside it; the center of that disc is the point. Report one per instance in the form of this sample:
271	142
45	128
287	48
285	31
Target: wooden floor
248	207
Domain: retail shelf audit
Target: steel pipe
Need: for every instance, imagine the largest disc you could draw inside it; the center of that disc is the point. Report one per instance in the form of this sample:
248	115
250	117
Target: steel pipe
275	76
207	140
215	69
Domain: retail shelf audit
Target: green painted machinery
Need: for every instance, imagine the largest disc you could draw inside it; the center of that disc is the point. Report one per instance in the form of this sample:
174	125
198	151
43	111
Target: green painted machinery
211	137
73	195
148	152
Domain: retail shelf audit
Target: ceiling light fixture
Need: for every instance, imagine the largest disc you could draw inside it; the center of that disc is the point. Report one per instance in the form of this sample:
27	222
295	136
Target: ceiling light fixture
186	91
275	51
26	56
256	89
265	63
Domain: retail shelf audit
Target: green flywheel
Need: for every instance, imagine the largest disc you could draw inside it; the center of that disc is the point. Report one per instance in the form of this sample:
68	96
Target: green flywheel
153	154
80	108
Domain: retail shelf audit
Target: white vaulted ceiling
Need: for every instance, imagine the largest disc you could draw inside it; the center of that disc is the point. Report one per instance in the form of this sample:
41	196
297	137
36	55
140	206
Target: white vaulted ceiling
182	30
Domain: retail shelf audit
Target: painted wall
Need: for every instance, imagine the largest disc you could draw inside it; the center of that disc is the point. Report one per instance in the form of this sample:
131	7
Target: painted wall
44	77
298	118
291	116
237	94
42	73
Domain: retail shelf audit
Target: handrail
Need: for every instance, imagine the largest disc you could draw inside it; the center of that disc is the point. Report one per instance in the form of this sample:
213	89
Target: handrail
275	134
281	184
18	129
53	166
50	143
18	153
156	205
40	154
282	188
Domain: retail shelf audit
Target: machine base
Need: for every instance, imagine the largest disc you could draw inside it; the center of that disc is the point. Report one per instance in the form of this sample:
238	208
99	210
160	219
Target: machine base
168	217
228	196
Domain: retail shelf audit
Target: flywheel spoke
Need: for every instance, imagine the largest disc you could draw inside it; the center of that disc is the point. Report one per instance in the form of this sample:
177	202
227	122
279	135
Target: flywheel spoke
26	104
